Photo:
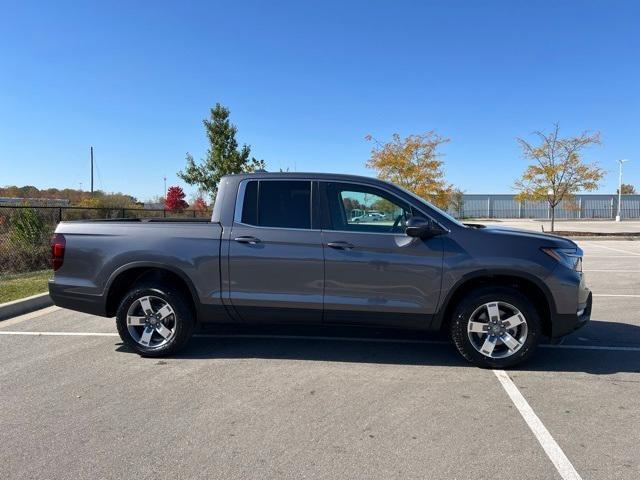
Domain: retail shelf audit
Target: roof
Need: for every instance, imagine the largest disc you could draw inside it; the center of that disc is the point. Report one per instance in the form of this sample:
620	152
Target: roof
306	175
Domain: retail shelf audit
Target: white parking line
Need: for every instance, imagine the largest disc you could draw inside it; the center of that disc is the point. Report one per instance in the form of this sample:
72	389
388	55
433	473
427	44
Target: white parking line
59	334
552	449
593	347
616	249
207	335
312	337
632	295
612	271
587	256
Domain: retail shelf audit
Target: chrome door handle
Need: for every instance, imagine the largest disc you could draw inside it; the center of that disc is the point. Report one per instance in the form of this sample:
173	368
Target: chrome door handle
247	239
340	245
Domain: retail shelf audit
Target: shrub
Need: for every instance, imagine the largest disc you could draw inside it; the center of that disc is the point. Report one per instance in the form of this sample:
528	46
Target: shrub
27	228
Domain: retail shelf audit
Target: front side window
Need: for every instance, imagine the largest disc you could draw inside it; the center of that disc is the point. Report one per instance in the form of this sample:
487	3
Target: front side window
360	208
275	203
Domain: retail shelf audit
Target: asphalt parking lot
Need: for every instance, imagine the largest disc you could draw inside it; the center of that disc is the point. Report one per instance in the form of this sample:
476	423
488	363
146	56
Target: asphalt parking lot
325	404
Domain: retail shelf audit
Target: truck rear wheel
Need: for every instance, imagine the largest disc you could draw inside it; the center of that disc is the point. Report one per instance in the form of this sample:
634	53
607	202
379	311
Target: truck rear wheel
495	327
155	320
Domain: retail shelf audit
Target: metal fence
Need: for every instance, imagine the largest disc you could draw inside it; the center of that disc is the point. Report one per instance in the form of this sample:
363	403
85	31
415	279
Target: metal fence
25	231
580	207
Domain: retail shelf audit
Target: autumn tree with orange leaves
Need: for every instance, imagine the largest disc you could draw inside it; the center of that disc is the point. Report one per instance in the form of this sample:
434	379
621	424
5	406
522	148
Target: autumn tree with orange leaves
557	171
199	205
413	163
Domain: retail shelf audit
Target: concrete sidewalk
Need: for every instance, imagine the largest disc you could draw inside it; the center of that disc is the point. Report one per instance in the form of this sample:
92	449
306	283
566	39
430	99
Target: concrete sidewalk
594	226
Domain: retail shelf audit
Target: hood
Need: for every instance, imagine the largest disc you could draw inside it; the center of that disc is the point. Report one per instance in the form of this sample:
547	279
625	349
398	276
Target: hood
544	238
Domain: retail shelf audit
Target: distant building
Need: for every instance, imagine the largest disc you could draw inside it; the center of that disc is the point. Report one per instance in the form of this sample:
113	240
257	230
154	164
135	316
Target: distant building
35	202
153	206
580	206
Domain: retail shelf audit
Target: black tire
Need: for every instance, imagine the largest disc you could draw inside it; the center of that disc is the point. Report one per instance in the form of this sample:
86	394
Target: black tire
183	319
471	302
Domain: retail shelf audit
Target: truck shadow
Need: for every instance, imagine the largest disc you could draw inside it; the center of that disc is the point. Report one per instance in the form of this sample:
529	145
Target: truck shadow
385	346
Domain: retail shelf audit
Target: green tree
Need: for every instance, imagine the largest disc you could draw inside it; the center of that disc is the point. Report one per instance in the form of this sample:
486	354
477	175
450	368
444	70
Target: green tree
223	155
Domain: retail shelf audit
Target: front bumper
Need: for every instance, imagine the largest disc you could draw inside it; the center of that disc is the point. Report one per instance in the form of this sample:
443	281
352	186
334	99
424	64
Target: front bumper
567	323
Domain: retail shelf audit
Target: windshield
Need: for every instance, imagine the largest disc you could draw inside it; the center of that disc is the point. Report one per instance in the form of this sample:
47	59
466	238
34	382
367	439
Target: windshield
441	212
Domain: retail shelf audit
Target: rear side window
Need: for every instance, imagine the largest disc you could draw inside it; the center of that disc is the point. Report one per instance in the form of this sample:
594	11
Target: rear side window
250	204
281	204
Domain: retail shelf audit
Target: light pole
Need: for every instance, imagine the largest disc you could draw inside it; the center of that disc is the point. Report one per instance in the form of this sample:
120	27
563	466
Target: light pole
165	187
552	211
620	188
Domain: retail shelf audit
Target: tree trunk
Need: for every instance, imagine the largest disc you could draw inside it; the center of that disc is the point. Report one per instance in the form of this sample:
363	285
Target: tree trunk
553	217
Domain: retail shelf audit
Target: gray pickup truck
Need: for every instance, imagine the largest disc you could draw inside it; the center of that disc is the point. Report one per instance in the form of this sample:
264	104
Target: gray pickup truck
323	249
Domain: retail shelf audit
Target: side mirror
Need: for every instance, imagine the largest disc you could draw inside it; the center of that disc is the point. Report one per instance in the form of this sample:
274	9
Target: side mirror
422	228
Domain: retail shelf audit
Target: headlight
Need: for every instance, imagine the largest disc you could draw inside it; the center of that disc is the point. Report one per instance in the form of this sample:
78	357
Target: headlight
569	257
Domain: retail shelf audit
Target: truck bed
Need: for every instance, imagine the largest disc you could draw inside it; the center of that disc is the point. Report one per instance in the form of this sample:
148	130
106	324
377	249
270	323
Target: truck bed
98	251
142	220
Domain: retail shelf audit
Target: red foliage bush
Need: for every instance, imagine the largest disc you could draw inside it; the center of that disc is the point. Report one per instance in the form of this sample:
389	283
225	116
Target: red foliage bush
175	199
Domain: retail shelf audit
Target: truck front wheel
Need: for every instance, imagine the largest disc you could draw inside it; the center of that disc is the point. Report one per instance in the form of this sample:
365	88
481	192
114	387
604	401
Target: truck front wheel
155	320
495	327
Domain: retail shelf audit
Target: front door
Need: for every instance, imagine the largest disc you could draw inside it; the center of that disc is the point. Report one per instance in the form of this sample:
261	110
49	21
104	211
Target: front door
374	273
276	266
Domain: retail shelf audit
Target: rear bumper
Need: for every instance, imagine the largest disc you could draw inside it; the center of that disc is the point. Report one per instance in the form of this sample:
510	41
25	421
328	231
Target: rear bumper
565	324
66	296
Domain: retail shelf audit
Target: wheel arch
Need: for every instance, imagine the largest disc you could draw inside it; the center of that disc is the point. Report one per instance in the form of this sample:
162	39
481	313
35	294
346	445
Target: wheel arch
123	279
531	286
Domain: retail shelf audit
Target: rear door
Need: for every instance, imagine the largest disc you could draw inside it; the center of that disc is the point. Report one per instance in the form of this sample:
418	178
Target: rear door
276	265
374	273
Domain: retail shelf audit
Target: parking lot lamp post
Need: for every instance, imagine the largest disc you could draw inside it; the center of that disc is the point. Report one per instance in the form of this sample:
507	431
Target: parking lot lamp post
552	212
620	188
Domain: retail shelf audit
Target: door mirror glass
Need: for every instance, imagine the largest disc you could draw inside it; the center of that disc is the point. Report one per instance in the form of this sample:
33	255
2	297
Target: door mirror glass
420	227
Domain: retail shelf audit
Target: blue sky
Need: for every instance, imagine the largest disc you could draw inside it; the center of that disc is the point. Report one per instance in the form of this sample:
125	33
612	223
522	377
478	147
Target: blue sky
306	81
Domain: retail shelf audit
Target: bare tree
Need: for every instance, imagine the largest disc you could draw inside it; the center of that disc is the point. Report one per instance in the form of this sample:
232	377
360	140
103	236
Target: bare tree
456	201
557	171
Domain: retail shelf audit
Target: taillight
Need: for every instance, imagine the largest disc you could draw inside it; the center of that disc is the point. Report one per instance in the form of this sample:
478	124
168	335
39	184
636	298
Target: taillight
57	250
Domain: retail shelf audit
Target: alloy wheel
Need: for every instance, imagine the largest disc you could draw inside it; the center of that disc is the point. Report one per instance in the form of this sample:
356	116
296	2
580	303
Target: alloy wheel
151	321
497	329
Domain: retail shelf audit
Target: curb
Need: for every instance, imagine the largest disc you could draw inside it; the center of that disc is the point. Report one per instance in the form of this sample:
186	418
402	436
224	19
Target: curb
25	305
602	237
